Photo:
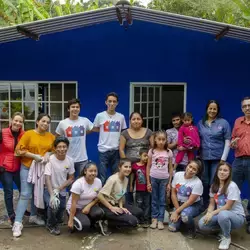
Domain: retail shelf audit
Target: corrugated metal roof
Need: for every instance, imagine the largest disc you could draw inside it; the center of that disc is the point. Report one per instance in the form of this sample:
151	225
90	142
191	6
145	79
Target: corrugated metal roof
79	20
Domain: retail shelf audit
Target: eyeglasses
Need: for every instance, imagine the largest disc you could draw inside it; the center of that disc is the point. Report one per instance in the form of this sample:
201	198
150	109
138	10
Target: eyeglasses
246	106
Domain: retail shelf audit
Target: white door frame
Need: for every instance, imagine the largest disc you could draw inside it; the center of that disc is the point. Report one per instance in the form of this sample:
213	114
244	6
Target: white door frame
148	84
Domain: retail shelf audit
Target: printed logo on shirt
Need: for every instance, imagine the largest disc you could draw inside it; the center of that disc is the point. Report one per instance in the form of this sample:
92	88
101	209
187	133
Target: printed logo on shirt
96	190
183	190
120	195
75	131
66	167
160	162
113	126
220	199
219	127
141	177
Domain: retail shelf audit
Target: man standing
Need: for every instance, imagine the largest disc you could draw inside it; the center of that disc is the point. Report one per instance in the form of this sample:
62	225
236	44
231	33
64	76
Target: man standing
241	144
110	124
75	129
173	139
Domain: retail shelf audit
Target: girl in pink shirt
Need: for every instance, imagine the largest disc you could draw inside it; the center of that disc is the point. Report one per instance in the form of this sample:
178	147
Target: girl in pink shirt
188	139
159	175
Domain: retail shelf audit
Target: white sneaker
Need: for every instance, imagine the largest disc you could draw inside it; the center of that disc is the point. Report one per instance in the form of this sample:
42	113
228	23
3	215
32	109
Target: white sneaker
36	220
17	229
225	243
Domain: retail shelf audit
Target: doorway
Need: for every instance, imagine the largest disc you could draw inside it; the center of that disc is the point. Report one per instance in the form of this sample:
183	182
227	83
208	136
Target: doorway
157	101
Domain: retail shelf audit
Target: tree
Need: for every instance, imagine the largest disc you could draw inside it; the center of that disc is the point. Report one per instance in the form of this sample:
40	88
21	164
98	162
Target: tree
217	10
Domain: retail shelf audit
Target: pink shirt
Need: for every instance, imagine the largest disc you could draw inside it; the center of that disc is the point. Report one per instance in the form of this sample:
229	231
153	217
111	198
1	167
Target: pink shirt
160	161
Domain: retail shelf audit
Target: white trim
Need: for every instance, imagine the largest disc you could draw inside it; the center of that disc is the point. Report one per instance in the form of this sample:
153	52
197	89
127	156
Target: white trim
152	84
46	103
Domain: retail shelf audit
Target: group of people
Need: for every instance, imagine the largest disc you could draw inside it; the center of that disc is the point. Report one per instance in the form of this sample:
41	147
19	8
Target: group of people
185	164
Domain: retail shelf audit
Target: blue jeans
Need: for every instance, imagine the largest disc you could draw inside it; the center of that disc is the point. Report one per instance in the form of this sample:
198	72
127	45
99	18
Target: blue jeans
241	173
187	216
158	198
7	179
25	195
54	217
224	221
108	159
207	178
79	166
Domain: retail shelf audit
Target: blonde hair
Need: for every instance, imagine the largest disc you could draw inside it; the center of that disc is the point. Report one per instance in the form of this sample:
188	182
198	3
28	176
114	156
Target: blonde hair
18	114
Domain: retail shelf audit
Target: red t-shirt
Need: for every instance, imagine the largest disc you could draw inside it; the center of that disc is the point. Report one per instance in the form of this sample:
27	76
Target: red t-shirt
140	177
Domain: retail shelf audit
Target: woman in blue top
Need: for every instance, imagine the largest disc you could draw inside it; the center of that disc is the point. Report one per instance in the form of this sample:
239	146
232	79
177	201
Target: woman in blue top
215	135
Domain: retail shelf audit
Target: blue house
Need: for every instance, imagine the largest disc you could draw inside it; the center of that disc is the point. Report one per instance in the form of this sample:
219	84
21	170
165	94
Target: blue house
157	62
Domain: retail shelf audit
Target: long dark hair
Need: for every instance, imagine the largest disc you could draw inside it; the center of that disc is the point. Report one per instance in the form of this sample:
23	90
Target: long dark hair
205	117
200	165
216	181
158	133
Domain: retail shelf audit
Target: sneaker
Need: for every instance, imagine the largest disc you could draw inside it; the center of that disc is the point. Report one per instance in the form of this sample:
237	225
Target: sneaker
225	243
153	224
53	230
36	220
103	227
160	225
145	225
17	229
191	234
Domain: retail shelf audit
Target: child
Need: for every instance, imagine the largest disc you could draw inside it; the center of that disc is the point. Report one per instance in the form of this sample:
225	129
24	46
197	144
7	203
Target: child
142	196
112	199
229	213
159	175
188	139
59	174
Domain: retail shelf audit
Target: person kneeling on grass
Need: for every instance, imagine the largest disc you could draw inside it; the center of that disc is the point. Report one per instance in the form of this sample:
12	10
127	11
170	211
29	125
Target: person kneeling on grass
82	206
59	174
112	199
229	213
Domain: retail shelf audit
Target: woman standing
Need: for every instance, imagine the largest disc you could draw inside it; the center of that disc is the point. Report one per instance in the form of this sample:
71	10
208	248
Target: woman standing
82	205
134	139
34	145
215	135
186	197
225	211
10	164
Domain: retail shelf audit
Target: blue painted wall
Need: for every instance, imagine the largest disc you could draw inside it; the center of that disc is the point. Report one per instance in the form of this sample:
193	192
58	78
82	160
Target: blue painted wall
106	58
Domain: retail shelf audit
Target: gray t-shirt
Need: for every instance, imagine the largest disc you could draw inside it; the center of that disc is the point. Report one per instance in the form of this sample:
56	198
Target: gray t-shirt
133	146
233	194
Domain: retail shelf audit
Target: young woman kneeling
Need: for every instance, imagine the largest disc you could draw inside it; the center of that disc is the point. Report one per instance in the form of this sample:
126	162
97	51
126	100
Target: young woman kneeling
187	189
225	211
112	197
82	205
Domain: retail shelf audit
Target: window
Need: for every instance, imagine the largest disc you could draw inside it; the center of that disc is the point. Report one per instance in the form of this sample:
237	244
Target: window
32	98
156	102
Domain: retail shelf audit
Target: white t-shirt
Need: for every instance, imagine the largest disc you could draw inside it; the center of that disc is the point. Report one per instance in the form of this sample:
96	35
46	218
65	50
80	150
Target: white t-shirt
160	161
233	194
110	130
75	131
186	187
87	192
59	171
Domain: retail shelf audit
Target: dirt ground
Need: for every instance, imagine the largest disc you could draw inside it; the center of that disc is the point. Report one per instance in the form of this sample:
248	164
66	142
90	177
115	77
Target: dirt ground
38	238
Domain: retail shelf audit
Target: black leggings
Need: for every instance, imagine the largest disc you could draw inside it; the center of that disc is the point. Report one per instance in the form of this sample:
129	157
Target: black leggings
123	220
83	221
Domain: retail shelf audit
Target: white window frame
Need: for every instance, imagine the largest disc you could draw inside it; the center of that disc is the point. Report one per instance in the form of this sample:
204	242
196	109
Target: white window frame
152	84
36	97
